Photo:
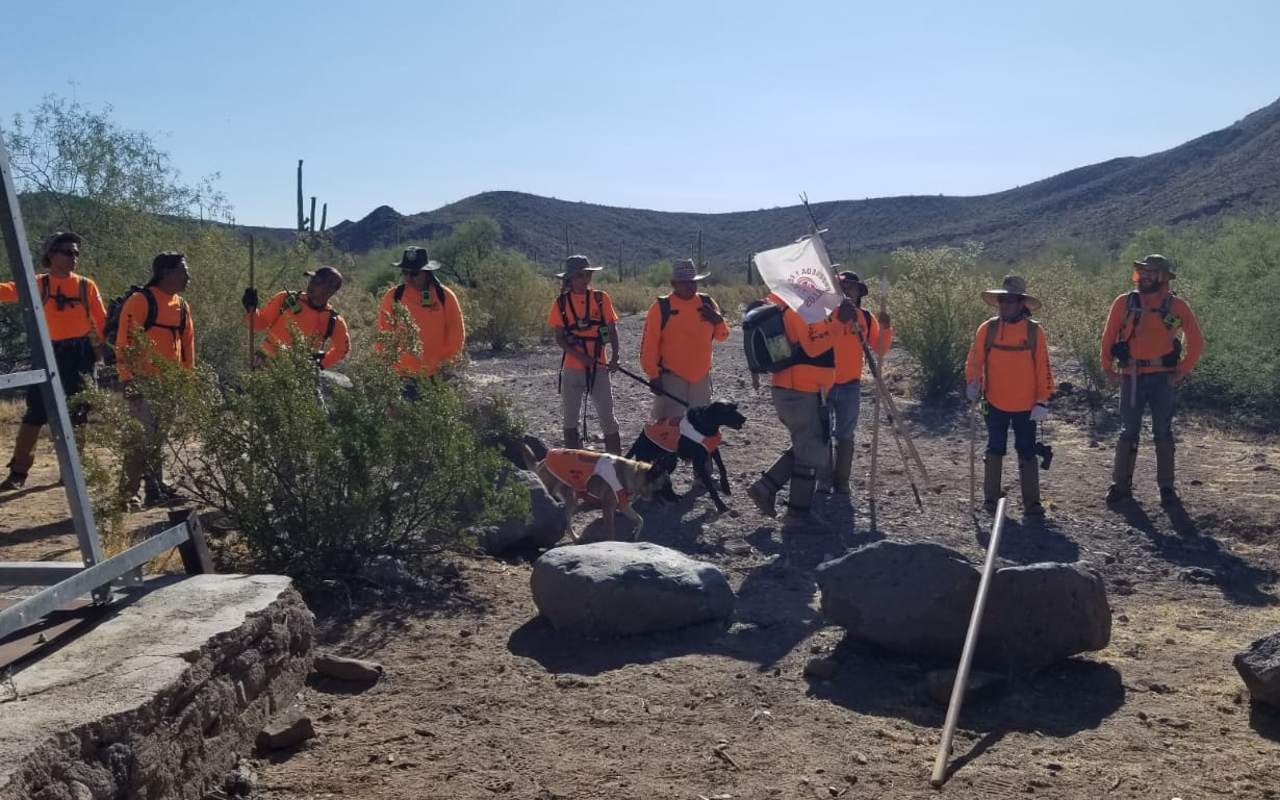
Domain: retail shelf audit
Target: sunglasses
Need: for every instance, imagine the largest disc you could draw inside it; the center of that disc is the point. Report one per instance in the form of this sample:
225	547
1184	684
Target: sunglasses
68	253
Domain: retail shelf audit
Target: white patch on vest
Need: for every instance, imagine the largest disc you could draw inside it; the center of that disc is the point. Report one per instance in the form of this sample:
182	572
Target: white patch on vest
687	430
607	469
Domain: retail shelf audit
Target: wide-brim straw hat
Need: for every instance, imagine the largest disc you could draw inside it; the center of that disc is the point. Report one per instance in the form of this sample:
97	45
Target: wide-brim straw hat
1012	285
685	270
576	264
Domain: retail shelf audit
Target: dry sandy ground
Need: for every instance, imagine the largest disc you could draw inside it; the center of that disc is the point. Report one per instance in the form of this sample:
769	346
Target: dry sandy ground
482	699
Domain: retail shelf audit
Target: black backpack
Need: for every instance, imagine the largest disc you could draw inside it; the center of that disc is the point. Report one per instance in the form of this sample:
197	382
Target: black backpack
398	295
664	306
764	336
116	306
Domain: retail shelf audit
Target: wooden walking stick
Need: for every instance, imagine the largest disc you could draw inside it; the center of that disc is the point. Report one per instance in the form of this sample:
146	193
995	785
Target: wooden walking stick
875	407
251	316
966	655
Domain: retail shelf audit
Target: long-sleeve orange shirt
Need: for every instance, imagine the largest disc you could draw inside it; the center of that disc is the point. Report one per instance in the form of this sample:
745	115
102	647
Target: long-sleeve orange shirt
1012	377
1152	339
441	333
814	340
683	347
278	317
849	356
171	338
584	322
68	319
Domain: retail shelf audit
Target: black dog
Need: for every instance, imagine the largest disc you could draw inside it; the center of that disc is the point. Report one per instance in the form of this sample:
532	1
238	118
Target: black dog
692	438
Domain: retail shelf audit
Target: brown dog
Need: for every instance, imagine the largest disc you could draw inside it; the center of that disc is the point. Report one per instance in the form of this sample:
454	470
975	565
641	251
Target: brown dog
613	481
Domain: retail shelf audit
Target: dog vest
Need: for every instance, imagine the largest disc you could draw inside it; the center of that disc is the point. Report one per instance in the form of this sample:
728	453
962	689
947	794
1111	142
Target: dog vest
666	433
575	468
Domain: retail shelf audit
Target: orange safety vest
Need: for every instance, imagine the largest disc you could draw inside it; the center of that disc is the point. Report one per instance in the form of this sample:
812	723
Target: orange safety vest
666	433
576	468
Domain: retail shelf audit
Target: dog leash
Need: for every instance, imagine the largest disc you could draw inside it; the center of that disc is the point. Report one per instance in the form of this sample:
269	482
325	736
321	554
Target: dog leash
639	379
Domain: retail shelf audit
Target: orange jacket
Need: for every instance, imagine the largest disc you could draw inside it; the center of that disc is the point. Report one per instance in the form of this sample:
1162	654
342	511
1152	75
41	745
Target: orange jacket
576	468
1018	378
73	320
848	347
683	347
1151	339
584	323
441	334
280	322
167	341
814	340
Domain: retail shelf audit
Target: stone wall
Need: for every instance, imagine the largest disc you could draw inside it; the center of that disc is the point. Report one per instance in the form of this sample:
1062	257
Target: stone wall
160	699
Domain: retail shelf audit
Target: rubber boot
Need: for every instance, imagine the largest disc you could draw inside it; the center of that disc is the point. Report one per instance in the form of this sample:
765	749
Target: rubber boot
1164	472
24	449
571	440
1122	474
1029	473
764	492
992	466
844	466
613	443
800	500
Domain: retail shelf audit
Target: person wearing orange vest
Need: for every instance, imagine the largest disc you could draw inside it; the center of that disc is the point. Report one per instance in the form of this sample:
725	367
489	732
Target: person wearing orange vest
306	314
845	400
75	316
1151	342
675	348
586	327
798	392
434	310
155	329
1008	367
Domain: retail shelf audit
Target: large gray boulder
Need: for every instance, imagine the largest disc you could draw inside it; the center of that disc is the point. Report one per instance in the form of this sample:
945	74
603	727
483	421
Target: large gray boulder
624	588
543	526
916	599
1259	667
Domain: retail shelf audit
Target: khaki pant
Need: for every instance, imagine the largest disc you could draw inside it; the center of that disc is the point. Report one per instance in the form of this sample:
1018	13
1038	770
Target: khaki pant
141	459
573	387
799	412
695	394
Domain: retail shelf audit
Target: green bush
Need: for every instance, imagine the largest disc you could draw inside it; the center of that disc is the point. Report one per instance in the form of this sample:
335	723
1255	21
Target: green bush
318	489
937	308
1074	313
508	305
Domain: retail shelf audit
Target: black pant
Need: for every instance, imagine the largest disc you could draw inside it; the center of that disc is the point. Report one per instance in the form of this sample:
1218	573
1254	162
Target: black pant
1024	432
74	359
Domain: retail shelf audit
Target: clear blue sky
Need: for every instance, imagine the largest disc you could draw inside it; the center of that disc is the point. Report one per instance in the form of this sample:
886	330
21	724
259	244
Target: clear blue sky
694	106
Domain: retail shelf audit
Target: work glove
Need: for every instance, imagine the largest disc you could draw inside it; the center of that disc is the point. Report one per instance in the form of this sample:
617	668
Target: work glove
250	299
710	315
318	357
973	391
1039	412
655	385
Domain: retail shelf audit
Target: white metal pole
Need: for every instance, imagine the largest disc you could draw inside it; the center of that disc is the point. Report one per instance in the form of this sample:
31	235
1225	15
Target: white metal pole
966	656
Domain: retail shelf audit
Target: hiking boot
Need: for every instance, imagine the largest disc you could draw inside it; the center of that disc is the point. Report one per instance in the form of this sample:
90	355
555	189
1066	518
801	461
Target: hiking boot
803	484
764	497
1169	497
24	447
16	480
844	466
992	466
571	439
1119	494
1029	475
613	443
1164	469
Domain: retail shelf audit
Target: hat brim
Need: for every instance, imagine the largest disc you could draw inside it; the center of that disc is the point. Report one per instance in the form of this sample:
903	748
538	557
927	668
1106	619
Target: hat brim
430	266
992	298
569	273
861	285
1144	265
697	277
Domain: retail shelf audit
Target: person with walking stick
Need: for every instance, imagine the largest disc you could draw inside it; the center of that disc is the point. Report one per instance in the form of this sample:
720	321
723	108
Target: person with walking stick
675	349
1008	370
586	331
845	399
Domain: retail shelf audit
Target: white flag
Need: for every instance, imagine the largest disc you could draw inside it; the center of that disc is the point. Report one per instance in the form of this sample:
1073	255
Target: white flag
800	274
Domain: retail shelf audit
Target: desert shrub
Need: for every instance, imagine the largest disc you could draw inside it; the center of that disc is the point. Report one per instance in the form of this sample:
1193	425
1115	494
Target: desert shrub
937	307
1074	313
508	305
317	488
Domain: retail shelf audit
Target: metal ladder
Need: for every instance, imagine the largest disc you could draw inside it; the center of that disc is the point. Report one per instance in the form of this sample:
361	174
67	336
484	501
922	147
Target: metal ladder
67	581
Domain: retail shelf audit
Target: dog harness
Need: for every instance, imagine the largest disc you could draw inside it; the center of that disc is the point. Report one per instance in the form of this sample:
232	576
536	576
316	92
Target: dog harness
666	433
576	468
